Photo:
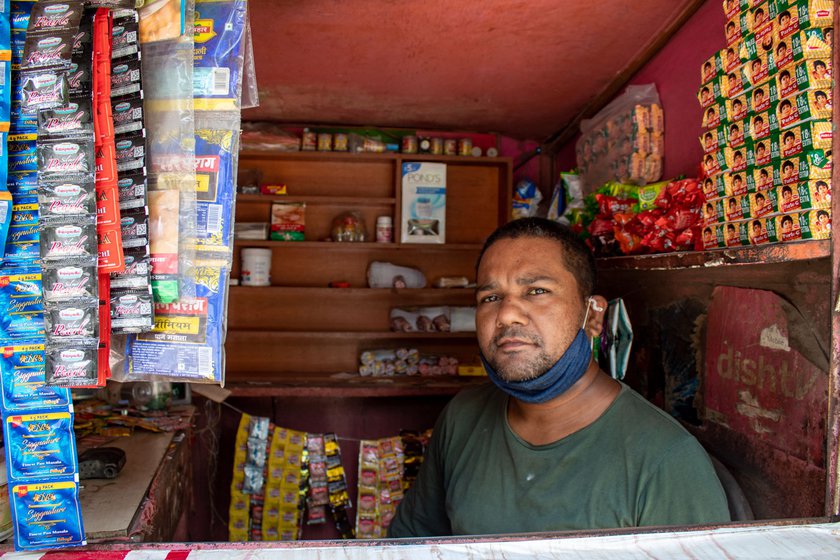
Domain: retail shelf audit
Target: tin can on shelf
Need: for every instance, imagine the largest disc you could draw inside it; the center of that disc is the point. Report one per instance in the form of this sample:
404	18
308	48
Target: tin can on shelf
465	147
450	147
324	142
340	142
409	144
437	146
308	141
384	229
424	145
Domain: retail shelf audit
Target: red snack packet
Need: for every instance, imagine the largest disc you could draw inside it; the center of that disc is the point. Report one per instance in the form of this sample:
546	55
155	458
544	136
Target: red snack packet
104	366
610	205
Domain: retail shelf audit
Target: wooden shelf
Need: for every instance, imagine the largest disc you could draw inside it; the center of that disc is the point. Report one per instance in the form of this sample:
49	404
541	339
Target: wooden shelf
368	156
346	385
366	293
354	246
766	254
358	335
316	199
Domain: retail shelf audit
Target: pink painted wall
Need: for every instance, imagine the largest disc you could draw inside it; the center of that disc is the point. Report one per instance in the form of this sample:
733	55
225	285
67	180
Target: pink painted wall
676	72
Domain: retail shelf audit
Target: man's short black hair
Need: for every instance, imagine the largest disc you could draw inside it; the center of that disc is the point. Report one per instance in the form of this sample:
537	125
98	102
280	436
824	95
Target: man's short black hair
787	165
789	134
787	189
822	213
822	184
820	93
577	257
787	220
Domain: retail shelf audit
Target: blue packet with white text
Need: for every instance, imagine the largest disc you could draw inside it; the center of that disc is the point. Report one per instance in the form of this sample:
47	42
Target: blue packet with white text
218	54
40	445
23	378
21	304
47	514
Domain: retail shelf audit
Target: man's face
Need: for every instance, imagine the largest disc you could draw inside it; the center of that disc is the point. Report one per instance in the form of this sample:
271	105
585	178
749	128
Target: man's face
730	56
759	151
707	235
822	218
788	141
737	181
788	170
756	228
781	52
821	101
738	159
783	21
785	80
819	70
758	97
709	140
786	226
730	231
731	206
705	95
759	201
529	309
829	36
786	110
787	195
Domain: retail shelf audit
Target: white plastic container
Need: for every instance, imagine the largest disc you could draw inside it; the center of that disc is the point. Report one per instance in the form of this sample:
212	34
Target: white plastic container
255	267
384	229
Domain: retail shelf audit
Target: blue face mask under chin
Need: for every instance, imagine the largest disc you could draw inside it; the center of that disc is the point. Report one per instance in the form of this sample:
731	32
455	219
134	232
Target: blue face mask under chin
555	381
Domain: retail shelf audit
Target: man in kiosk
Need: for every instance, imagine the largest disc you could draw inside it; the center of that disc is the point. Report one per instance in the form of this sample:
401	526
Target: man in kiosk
553	443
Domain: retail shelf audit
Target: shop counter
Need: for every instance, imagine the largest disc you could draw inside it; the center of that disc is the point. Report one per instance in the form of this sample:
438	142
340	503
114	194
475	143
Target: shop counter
148	498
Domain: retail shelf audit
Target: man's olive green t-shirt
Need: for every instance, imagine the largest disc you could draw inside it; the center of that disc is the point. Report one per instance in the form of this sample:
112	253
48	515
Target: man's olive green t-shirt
634	466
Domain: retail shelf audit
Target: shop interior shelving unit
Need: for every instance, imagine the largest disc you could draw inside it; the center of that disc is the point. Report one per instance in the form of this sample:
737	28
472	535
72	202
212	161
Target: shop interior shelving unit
300	337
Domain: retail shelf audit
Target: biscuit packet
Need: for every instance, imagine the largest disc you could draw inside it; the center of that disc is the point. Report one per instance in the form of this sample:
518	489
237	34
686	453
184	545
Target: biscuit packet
713	140
736	134
819	165
788	228
762	231
791	170
737	108
733	31
736	159
760	153
802	14
761	97
711	68
713	211
757	71
715	163
809	105
711	237
710	93
806	75
733	84
762	204
815	224
712	116
808	44
730	59
736	208
803	137
714	187
735	184
735	234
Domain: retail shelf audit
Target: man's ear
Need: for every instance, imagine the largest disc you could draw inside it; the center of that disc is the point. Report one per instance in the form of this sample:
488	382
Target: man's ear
595	321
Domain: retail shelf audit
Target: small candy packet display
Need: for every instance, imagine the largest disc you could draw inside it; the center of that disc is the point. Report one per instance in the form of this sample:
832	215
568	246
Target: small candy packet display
47	17
42	88
47	514
69	244
128	114
66	156
22	243
51	49
61	201
132	190
22	304
134	227
125	76
131	311
124	34
110	250
71	320
61	283
22	371
72	366
137	273
76	117
79	79
131	152
40	445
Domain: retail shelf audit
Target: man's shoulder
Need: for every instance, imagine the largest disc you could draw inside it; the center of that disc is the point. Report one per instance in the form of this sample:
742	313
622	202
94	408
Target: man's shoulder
648	421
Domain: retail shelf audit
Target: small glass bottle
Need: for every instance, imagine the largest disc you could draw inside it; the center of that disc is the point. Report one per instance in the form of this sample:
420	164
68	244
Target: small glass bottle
384	229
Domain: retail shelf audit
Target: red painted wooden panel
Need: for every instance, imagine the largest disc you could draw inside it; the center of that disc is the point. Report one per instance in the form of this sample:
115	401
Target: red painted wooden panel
753	385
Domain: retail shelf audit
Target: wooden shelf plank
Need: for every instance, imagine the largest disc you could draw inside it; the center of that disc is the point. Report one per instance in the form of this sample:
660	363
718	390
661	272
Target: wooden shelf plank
368	156
346	385
356	335
764	254
373	293
333	246
322	200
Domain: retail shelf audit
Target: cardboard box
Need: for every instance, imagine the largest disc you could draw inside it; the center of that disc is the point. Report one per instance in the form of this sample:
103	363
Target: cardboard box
423	203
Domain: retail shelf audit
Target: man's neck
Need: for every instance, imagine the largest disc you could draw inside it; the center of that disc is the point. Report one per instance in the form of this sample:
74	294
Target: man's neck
577	408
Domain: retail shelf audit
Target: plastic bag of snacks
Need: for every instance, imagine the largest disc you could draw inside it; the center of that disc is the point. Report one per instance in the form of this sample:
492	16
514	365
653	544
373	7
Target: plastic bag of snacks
625	141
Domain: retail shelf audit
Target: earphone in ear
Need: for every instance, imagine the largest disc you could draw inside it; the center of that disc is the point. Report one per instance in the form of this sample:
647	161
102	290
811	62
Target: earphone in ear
594	303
